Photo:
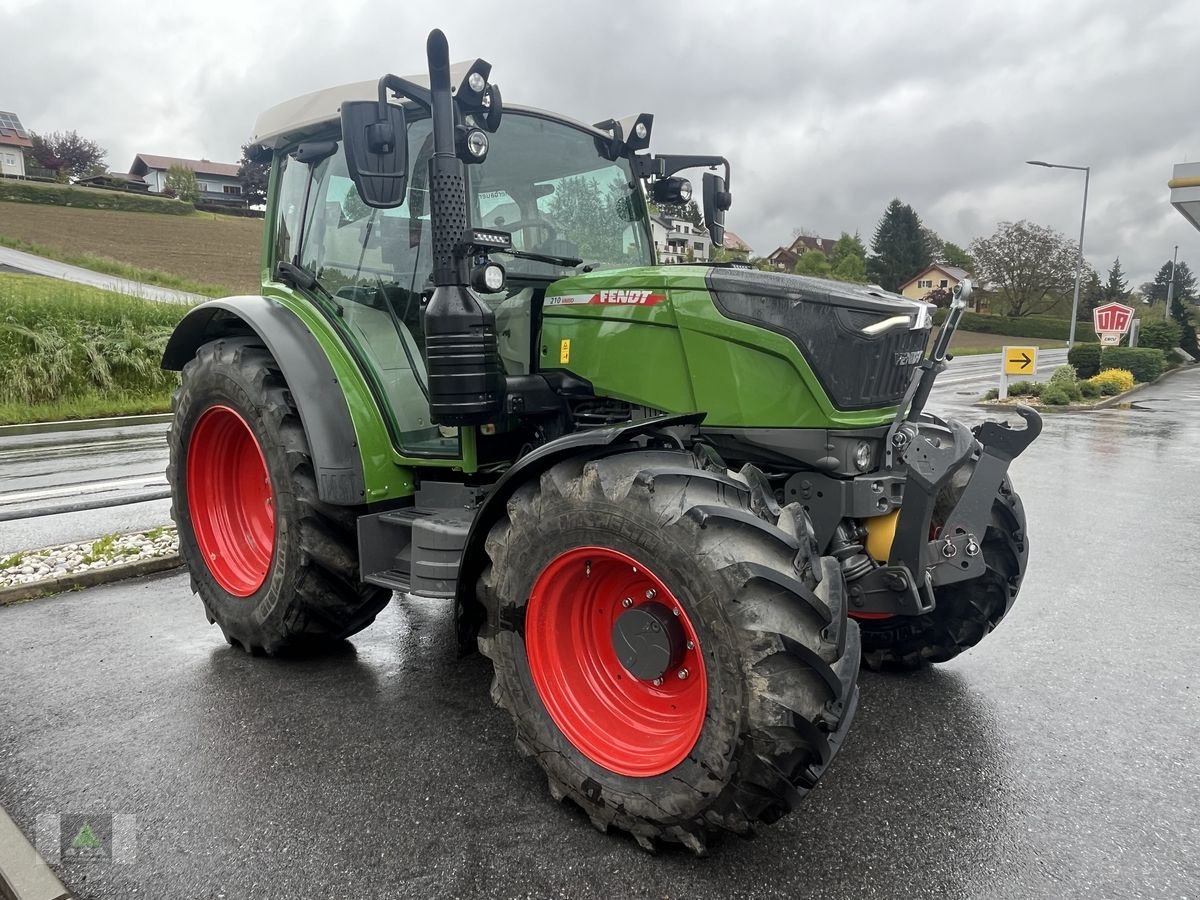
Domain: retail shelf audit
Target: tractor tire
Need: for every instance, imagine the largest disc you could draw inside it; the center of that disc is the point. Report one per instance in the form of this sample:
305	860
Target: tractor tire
672	649
275	567
966	611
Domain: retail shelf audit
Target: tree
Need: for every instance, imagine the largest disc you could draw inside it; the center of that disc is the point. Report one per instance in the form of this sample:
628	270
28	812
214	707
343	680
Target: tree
849	258
813	262
1117	288
1092	293
68	154
933	244
182	182
1030	267
954	255
689	211
1183	297
254	171
899	249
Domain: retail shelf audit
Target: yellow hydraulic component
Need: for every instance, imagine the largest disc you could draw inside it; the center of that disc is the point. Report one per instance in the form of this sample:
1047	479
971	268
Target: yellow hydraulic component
881	531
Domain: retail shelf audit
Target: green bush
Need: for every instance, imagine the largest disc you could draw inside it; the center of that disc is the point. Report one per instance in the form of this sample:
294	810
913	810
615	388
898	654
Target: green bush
1089	390
992	394
1023	326
89	198
1063	375
1085	358
1054	395
1145	364
1161	335
1024	389
1072	390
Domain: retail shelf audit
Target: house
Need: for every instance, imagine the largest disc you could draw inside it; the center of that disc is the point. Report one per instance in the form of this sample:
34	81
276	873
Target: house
785	258
735	247
930	279
14	141
219	182
679	240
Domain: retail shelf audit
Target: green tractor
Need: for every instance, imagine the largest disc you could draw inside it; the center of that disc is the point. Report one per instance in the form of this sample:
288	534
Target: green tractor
676	505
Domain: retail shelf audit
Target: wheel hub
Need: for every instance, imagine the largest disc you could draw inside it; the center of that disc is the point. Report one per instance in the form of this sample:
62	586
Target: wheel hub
649	641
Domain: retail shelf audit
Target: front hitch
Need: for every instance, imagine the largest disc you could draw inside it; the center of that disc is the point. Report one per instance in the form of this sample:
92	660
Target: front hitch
933	455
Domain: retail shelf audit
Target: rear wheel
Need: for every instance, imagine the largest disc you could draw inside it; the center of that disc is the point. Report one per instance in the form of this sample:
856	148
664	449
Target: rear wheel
276	568
966	611
673	652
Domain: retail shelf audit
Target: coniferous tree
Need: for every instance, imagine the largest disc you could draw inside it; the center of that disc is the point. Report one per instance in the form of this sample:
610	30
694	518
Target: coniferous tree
899	249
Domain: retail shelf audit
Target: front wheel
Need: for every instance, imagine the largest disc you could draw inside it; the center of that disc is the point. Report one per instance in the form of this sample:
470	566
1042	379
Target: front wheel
276	568
966	611
675	656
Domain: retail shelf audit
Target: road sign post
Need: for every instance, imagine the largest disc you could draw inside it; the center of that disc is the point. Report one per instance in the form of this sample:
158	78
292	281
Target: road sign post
1016	361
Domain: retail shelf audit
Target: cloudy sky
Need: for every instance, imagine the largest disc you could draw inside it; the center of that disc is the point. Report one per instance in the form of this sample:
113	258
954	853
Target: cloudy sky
826	110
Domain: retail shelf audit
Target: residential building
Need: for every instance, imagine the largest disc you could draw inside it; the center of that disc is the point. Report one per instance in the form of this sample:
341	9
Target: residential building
14	141
218	182
932	278
735	248
116	181
1185	191
679	240
785	258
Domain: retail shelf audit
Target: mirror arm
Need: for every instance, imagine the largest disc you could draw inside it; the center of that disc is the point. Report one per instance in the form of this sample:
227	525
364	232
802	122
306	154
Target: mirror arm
402	88
665	165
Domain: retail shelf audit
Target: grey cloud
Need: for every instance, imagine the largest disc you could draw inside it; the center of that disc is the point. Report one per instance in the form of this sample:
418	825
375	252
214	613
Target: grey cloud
826	111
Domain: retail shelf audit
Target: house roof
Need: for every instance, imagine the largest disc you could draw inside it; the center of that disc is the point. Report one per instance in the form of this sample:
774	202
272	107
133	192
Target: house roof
806	242
144	162
12	132
949	271
734	242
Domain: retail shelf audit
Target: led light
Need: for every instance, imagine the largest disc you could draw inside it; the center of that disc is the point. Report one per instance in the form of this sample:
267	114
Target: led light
477	144
862	456
641	131
486	102
493	278
685	188
476	82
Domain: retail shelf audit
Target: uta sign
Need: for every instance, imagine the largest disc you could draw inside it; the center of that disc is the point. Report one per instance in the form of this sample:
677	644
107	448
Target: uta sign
1111	321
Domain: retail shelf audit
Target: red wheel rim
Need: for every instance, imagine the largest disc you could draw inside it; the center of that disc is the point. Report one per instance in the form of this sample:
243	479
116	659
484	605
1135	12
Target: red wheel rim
230	500
628	725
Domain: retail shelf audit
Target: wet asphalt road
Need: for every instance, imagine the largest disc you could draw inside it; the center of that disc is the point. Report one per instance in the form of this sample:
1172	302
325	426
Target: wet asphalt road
1058	759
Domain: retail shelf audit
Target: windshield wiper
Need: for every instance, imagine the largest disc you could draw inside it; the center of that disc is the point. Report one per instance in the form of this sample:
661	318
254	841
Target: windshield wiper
300	277
569	262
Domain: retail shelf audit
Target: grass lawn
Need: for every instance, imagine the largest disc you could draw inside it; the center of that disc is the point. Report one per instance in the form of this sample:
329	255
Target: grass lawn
203	253
969	343
73	352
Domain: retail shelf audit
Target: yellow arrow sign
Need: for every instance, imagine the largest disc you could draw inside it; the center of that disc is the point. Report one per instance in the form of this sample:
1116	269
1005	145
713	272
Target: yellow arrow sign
1020	360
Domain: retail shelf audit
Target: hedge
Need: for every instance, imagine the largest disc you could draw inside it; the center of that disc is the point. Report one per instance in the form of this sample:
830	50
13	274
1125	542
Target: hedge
1145	363
1085	358
1023	326
89	198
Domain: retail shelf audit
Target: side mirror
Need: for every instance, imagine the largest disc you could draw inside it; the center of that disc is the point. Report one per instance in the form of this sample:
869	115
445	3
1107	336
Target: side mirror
376	151
716	201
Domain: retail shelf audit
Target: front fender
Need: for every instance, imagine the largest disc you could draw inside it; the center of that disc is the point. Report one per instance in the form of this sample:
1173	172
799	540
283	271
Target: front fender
306	369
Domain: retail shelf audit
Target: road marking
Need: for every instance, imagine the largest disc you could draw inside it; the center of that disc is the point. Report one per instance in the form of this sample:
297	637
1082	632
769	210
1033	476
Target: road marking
72	490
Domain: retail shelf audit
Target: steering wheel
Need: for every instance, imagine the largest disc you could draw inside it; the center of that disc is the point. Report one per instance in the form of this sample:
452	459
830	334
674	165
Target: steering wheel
523	224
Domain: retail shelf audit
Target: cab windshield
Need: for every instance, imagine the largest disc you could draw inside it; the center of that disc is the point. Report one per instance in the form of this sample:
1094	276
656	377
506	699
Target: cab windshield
544	181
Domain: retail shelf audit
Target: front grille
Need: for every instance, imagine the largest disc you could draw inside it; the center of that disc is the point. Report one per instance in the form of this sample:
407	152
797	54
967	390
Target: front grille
824	319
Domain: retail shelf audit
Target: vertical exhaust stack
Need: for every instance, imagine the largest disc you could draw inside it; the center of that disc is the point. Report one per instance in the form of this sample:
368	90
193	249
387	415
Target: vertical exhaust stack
466	382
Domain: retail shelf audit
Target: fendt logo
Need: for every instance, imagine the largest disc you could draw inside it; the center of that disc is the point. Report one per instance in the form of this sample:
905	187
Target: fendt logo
608	298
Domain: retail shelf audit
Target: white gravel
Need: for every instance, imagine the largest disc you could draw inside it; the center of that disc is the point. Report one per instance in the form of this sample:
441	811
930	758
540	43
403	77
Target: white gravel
69	559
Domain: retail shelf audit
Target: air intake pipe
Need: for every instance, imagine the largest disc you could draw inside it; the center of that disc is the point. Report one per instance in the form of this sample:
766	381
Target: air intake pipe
466	382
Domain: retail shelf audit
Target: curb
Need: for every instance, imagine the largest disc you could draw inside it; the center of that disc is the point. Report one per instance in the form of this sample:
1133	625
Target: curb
18	593
1106	403
24	875
84	424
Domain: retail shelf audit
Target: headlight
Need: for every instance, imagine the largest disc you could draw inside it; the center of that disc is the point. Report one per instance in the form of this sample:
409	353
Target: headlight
477	144
476	82
862	456
641	131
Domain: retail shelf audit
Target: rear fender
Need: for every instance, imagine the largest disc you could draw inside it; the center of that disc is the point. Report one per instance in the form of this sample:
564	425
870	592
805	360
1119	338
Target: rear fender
309	375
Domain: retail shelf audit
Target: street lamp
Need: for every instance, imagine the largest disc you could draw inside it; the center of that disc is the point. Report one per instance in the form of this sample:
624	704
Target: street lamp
1087	174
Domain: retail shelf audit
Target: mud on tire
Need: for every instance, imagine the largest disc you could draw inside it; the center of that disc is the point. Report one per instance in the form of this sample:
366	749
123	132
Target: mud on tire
779	654
311	596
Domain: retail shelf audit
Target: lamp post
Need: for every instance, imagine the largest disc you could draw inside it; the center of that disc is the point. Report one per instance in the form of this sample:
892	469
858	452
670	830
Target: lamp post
1087	174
